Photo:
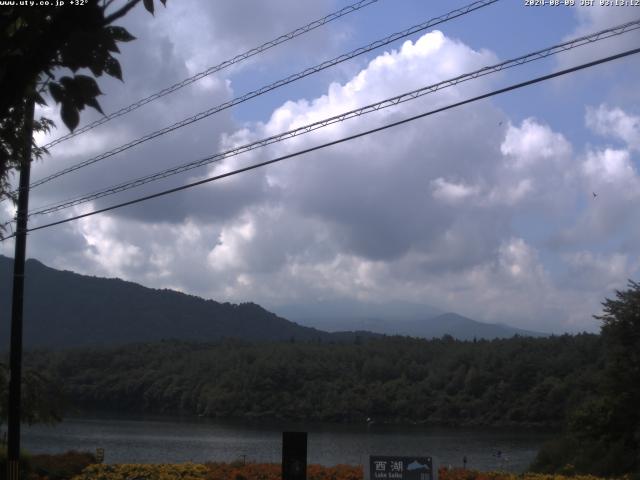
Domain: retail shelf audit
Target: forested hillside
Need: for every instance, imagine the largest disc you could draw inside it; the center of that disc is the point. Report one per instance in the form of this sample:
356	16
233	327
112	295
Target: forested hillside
64	309
522	381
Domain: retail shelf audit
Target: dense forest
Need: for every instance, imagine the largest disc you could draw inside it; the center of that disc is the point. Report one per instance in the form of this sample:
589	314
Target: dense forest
587	385
602	434
519	381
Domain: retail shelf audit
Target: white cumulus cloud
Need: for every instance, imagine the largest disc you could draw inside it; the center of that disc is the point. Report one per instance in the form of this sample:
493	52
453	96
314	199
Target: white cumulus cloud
615	123
452	210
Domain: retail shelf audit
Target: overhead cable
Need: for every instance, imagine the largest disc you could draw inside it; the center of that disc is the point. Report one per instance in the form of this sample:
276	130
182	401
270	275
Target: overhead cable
285	81
227	63
342	140
530	57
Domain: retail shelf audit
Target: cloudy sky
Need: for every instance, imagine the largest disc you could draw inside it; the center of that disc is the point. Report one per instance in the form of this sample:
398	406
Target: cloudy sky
486	210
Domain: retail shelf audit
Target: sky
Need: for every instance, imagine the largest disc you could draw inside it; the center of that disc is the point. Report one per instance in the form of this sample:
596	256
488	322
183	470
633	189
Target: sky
486	210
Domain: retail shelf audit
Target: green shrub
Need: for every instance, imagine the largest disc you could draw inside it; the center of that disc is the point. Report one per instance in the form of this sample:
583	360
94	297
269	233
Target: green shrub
569	454
61	466
25	462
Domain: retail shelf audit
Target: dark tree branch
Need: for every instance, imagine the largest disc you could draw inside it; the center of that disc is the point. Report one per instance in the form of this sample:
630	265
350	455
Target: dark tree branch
121	12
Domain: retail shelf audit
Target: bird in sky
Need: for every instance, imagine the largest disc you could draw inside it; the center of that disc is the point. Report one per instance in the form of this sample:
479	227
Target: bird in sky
594	194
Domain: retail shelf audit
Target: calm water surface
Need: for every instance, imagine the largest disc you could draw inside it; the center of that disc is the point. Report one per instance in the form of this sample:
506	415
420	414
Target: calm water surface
173	440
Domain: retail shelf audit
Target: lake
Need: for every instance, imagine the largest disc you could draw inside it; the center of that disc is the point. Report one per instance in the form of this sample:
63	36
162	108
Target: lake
174	440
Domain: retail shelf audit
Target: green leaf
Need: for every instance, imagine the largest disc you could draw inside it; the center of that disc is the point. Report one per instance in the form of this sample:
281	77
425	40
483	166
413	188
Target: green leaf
86	86
57	92
92	102
66	82
120	34
70	115
108	42
43	124
79	49
96	69
14	27
98	60
148	4
39	100
112	67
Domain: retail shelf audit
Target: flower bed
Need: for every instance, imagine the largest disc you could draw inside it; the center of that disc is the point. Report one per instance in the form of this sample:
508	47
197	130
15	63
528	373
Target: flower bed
271	471
212	471
179	471
462	474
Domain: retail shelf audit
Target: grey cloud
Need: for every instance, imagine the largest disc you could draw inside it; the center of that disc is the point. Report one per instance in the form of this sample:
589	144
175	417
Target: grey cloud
151	63
358	219
596	18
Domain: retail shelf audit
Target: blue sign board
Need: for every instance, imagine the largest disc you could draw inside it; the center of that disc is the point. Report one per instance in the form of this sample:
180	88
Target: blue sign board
401	468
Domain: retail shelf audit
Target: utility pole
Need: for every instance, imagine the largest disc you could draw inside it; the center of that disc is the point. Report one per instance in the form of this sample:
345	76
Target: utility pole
15	355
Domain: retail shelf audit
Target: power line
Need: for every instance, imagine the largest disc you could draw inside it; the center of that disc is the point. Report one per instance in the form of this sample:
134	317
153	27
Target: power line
342	140
227	63
292	78
412	95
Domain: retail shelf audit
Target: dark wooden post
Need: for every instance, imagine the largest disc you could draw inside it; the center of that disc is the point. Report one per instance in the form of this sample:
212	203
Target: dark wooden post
294	455
15	355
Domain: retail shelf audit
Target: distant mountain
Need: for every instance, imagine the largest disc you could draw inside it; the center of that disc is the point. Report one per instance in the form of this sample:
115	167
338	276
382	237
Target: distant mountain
65	309
395	318
334	310
462	328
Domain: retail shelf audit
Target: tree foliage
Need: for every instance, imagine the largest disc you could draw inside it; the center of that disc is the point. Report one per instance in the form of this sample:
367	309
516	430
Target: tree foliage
518	381
42	52
603	433
42	400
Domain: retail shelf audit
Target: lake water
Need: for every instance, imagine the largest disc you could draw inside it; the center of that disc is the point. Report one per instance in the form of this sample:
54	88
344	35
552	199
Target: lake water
174	440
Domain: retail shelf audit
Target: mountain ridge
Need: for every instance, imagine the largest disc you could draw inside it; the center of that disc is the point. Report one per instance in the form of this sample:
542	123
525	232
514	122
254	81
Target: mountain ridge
430	323
65	309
